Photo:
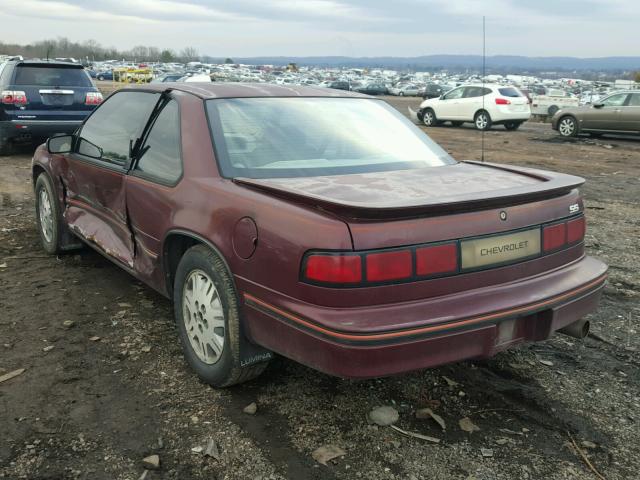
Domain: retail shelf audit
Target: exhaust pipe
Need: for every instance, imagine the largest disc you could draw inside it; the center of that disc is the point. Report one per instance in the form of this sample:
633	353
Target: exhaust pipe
578	329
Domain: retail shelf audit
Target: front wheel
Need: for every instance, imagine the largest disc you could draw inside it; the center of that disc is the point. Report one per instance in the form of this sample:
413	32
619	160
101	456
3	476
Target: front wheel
47	215
429	118
567	127
482	120
207	315
512	125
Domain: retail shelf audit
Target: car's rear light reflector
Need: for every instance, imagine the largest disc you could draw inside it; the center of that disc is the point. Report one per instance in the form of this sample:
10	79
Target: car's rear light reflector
93	98
437	259
554	236
389	265
14	97
503	101
576	230
331	268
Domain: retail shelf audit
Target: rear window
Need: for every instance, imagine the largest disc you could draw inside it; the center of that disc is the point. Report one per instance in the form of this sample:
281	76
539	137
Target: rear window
509	92
47	76
303	137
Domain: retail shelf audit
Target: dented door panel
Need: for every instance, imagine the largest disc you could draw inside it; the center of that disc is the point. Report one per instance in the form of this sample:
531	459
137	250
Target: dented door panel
95	207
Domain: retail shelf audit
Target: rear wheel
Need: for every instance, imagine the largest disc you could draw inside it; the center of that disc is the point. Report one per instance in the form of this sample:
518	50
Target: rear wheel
401	94
552	110
47	215
208	319
567	126
482	120
429	118
512	125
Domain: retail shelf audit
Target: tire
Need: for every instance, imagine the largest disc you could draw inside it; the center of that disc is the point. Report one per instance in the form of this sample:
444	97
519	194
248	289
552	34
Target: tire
401	94
429	117
100	77
482	120
552	110
457	124
512	125
568	126
48	215
217	318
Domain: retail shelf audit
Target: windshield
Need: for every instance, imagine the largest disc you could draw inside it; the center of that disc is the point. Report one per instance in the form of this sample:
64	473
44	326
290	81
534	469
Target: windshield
46	76
301	137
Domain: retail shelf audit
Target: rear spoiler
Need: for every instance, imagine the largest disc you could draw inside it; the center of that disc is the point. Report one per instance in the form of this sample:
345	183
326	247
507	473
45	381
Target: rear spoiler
551	185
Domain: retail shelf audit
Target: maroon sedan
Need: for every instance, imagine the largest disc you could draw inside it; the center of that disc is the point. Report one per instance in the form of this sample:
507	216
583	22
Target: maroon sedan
318	224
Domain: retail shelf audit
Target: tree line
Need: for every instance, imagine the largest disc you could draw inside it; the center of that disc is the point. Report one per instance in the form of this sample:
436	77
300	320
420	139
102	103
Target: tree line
91	50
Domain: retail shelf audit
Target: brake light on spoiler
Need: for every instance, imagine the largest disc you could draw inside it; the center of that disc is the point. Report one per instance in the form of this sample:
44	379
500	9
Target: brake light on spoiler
413	263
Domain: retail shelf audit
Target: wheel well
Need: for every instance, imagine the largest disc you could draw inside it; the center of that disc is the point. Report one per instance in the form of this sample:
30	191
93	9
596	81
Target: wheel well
480	111
175	247
35	173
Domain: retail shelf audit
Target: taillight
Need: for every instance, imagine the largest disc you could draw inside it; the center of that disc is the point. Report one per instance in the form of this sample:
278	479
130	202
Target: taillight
437	259
93	98
554	236
14	97
386	266
333	268
561	234
503	101
576	230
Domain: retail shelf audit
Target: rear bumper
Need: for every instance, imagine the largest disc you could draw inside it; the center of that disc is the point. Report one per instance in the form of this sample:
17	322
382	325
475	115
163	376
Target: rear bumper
499	116
28	130
475	324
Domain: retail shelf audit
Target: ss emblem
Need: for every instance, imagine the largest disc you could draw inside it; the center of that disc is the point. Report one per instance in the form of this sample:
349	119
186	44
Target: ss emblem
575	208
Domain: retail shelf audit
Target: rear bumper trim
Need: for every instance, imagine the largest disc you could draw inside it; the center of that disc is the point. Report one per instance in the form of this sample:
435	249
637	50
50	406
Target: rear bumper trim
420	332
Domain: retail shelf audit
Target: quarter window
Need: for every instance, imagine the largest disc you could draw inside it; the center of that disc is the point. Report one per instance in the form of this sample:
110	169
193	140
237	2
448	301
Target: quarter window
118	121
634	101
161	159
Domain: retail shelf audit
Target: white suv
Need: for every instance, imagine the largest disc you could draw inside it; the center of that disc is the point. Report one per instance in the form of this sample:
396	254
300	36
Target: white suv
484	105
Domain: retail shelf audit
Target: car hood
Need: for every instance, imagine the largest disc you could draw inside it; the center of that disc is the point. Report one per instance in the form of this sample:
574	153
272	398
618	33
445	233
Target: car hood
459	187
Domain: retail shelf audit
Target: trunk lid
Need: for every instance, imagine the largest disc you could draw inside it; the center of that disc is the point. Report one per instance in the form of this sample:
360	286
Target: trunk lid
411	207
462	187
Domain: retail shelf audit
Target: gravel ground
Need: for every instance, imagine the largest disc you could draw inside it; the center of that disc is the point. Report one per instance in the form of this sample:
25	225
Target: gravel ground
105	383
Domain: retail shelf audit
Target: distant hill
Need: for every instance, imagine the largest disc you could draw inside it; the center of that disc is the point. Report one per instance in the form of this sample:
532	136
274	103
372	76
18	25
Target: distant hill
459	62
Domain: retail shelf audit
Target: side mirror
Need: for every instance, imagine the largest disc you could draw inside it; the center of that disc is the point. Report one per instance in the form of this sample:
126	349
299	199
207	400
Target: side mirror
60	143
598	105
85	147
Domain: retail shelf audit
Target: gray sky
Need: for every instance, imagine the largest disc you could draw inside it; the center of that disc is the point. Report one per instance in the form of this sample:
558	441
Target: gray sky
582	28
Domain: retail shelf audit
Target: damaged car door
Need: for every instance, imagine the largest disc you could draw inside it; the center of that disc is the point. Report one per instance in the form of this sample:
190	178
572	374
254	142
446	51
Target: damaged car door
95	195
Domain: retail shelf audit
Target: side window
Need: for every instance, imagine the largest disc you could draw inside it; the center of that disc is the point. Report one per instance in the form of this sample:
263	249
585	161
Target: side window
615	100
470	92
120	119
634	101
453	94
161	159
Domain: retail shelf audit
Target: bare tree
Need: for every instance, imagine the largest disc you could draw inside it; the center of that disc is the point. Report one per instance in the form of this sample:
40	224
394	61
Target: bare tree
189	54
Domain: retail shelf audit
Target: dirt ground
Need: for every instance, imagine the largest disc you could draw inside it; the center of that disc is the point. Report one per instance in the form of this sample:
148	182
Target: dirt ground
114	387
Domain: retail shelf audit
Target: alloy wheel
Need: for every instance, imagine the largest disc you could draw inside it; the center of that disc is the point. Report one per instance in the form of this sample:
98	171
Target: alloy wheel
428	118
203	317
567	127
481	121
46	214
